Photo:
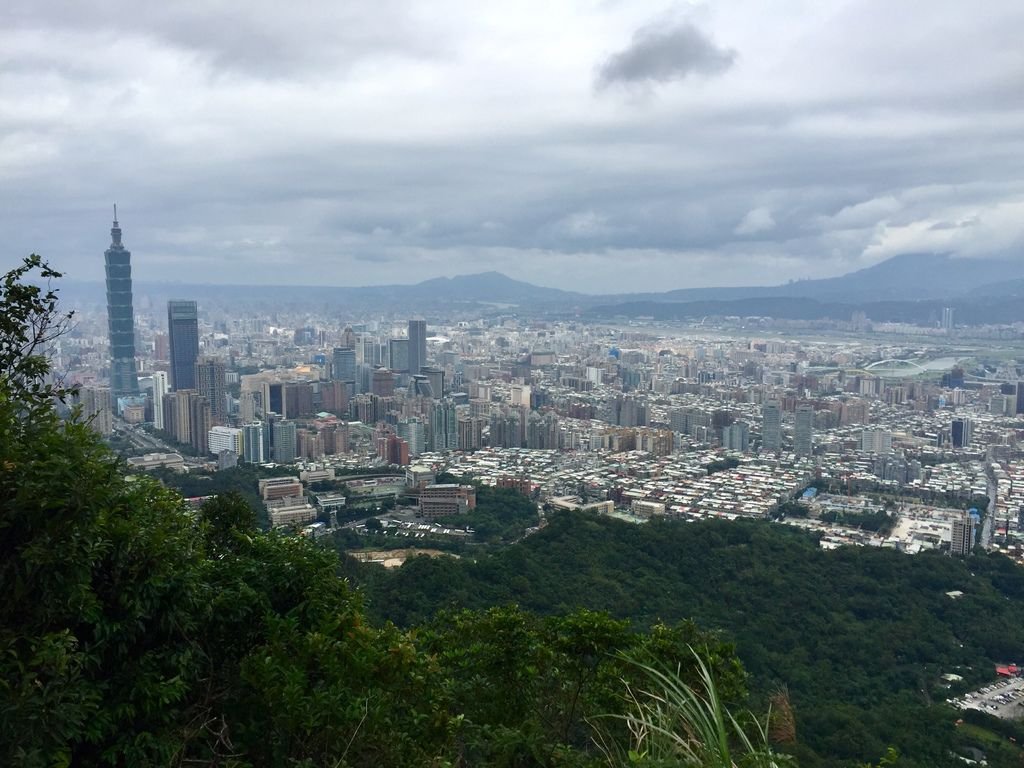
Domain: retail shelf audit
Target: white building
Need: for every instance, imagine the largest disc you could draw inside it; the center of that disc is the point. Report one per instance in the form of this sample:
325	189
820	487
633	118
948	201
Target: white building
876	441
160	388
225	439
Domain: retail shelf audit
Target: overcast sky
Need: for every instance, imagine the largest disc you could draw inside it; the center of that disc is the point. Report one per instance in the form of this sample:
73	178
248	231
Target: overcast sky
598	146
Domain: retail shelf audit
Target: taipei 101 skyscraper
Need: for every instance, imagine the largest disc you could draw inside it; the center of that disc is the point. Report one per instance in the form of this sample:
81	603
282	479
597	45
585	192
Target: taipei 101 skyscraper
120	316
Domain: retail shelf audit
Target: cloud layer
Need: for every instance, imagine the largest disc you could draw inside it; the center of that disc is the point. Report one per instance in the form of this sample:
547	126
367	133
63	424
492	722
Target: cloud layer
335	143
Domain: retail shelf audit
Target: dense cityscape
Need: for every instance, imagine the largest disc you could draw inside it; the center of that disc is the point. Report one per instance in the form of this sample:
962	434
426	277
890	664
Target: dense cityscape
512	385
822	431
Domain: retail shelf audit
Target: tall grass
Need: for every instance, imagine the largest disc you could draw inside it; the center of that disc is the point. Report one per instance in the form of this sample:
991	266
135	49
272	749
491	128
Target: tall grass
671	724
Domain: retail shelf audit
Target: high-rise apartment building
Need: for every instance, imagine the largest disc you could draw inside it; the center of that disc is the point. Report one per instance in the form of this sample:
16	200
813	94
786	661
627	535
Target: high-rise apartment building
201	422
962	541
252	443
161	387
876	441
120	315
210	376
161	347
285	442
771	426
948	319
471	434
736	437
803	436
411	430
444	427
178	415
418	346
183	332
97	408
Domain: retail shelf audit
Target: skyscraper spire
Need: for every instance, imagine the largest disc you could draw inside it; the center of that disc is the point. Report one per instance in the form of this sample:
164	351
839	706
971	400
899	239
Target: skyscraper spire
115	232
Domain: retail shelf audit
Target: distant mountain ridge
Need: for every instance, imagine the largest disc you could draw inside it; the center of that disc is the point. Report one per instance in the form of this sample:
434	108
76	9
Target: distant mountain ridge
910	277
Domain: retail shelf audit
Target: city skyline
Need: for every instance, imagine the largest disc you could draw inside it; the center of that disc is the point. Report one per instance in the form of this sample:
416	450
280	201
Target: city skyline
618	147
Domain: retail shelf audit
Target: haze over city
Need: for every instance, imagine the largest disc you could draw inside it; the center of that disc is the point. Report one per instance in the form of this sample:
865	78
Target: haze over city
595	147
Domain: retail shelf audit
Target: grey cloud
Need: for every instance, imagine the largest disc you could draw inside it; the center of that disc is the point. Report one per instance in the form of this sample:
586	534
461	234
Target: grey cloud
262	38
661	52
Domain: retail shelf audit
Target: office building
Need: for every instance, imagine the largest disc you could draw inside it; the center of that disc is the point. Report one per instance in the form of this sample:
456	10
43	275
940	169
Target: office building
418	346
120	315
444	428
436	378
285	442
210	376
343	364
962	541
803	435
961	432
183	333
252	443
161	387
398	355
771	426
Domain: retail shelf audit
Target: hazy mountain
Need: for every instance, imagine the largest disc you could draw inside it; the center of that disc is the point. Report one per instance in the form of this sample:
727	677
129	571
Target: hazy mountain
912	277
906	277
488	286
438	293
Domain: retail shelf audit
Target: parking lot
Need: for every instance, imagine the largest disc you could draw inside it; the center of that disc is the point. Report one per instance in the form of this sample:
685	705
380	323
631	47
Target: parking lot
1004	699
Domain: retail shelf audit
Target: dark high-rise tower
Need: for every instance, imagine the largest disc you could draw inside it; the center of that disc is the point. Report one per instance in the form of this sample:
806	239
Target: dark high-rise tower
120	317
417	346
183	328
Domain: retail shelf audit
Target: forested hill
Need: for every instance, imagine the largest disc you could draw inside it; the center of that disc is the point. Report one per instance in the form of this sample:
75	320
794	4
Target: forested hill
860	637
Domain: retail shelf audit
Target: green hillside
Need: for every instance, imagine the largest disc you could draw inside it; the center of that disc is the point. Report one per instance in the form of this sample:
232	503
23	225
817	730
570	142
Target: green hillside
860	637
